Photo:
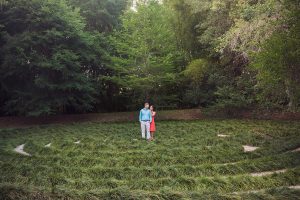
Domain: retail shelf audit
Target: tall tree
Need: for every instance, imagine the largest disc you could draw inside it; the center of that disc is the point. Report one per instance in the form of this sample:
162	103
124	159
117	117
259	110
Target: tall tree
145	53
185	20
101	15
278	61
47	60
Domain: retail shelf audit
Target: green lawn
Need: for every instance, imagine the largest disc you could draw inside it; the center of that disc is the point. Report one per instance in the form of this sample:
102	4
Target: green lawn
186	161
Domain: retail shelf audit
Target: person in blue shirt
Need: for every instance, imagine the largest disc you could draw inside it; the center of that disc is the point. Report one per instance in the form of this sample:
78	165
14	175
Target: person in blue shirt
145	119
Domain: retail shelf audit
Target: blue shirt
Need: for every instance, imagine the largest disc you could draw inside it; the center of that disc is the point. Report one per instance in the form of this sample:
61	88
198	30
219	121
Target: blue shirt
145	115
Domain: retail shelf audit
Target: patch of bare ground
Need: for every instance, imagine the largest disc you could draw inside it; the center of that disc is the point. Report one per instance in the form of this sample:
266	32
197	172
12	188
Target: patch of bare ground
296	150
294	187
268	172
16	122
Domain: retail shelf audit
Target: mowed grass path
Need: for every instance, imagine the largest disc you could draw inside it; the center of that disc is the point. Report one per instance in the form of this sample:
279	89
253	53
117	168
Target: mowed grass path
186	161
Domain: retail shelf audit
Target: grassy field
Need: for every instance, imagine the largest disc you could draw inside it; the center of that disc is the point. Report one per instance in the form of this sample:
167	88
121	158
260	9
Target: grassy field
186	161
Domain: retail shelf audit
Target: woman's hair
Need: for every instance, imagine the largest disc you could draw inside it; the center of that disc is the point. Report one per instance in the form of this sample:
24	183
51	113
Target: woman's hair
153	107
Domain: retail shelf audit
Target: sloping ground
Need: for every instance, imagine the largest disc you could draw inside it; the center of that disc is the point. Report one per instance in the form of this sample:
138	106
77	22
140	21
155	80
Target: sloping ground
6	122
187	160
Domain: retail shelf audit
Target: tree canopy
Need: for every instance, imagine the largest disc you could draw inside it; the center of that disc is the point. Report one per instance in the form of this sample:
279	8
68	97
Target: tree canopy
71	56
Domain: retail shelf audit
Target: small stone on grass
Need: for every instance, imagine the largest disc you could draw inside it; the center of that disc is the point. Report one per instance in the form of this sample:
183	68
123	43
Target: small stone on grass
249	148
20	149
48	145
222	135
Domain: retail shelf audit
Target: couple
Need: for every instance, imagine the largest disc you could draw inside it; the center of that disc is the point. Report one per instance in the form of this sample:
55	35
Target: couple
147	121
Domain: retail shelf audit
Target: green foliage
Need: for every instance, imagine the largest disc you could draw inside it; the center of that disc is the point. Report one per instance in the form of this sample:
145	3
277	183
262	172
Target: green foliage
236	29
146	58
234	84
147	45
46	58
278	64
231	100
100	15
184	22
195	76
254	22
214	24
73	56
196	70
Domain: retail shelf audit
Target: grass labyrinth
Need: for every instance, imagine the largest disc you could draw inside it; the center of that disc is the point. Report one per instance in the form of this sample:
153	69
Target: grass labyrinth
188	160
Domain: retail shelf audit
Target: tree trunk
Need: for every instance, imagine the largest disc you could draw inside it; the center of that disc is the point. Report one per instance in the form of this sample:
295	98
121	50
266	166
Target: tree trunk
291	95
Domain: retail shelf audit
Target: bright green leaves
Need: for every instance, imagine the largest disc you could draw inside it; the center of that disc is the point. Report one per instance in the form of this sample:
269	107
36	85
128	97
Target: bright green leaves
196	69
146	54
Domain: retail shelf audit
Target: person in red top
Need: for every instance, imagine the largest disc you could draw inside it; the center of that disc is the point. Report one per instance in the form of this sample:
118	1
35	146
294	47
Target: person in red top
152	124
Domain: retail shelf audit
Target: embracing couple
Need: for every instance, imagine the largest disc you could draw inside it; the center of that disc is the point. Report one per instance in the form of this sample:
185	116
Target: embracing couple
147	115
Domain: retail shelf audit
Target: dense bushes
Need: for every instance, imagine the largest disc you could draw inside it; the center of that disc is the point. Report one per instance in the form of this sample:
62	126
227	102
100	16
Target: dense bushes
90	56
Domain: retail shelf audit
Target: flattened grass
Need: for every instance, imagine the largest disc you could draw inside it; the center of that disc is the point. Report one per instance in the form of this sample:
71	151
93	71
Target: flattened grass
186	161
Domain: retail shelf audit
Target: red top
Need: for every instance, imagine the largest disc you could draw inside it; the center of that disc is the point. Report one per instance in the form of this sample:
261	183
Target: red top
152	125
